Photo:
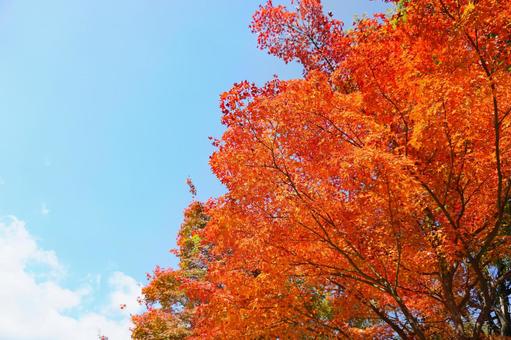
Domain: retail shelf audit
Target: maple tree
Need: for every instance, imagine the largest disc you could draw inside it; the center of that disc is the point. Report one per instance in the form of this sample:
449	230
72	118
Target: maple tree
372	197
170	306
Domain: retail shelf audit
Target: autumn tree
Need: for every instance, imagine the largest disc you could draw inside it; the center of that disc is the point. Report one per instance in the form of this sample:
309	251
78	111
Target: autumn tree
169	300
369	199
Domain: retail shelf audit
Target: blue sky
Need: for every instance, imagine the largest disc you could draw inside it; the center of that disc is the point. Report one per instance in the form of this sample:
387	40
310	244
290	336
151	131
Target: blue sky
105	109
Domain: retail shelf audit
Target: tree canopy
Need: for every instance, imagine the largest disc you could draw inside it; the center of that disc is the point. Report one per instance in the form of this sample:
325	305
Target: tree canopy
368	199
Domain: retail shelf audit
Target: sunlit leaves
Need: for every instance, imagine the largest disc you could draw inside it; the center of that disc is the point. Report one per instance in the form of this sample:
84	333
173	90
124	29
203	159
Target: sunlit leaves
369	199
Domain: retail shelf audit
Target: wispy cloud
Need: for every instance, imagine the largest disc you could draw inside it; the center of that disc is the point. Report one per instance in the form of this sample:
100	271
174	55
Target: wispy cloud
39	299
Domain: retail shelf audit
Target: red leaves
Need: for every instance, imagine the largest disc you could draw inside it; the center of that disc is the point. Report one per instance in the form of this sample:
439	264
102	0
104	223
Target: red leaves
357	181
370	199
304	34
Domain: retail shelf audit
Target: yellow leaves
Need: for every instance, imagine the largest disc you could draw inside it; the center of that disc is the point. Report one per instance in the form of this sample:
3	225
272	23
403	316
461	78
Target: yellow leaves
468	10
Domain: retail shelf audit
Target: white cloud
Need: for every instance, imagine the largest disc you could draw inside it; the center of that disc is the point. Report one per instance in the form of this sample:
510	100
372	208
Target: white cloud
34	305
125	292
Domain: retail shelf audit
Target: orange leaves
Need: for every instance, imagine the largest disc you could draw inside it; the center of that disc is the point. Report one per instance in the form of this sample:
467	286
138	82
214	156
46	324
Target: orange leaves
306	35
172	296
370	199
159	325
374	181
